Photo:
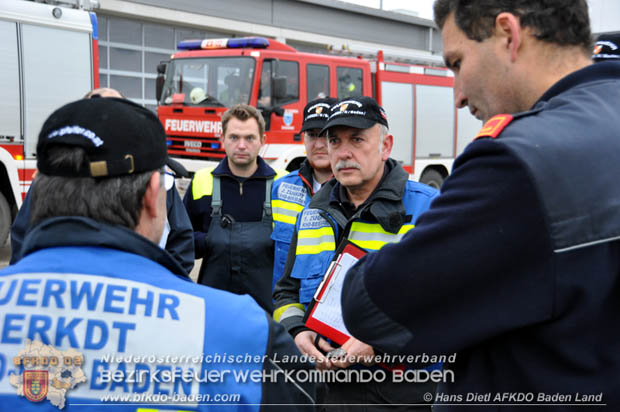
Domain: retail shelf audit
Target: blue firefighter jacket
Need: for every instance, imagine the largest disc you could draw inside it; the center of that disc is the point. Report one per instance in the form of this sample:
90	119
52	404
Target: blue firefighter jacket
290	194
112	297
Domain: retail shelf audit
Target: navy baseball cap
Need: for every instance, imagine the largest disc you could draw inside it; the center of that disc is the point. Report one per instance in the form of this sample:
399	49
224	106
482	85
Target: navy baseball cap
316	113
359	112
607	47
119	137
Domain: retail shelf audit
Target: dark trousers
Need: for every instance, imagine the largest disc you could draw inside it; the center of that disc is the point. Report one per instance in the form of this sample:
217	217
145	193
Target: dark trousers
375	396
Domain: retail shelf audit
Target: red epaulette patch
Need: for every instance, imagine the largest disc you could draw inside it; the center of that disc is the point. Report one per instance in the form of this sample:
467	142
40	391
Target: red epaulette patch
494	126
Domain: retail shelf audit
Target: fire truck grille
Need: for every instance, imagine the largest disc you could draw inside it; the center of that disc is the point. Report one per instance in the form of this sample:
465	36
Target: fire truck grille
195	148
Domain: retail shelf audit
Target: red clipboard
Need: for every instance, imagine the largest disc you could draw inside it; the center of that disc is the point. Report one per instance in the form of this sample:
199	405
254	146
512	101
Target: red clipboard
338	336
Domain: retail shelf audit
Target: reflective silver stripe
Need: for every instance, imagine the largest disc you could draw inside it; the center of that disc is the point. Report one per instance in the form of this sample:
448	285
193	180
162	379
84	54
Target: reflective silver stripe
375	236
315	241
283	211
582	245
290	312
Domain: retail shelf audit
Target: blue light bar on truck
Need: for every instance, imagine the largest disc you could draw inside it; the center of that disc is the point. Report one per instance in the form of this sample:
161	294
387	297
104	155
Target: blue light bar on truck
234	43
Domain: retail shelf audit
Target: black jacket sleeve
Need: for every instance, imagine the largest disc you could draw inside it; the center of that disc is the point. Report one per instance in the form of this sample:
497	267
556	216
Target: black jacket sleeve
180	243
476	265
284	357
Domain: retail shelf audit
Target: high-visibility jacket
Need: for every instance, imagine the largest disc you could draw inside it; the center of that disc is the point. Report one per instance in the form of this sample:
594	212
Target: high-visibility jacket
290	194
319	233
389	213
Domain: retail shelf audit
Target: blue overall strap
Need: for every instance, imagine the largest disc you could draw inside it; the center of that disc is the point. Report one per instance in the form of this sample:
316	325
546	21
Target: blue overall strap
216	197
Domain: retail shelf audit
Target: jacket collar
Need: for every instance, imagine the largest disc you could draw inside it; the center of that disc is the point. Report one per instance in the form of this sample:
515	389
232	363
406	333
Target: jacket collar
81	231
593	72
306	174
263	171
384	204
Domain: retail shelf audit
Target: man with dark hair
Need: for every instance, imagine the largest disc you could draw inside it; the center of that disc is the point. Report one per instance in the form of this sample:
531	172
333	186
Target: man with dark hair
515	267
293	192
371	203
93	282
177	237
230	210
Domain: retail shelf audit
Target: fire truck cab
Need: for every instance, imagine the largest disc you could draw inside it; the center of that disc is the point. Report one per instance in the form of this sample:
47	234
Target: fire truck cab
206	77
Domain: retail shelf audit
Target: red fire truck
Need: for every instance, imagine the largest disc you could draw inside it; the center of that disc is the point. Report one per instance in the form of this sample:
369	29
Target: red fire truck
49	58
205	77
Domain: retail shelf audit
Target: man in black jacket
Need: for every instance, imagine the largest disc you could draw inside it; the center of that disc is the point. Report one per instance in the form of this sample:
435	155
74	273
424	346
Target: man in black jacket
230	211
515	267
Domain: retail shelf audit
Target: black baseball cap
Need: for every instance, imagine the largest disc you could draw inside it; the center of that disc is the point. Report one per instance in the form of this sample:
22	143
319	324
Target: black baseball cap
316	113
607	47
119	137
358	112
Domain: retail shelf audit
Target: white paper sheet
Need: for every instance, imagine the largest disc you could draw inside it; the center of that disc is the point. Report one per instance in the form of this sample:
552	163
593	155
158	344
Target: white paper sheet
328	310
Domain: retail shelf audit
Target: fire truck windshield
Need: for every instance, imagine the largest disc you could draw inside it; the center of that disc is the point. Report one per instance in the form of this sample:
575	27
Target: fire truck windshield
211	81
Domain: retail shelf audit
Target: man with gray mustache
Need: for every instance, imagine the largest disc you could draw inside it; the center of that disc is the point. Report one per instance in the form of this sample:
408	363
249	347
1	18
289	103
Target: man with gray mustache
371	202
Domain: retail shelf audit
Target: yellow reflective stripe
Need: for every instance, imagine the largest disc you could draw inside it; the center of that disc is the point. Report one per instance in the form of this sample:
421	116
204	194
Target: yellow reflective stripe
279	217
284	211
371	236
369	244
315	233
286	205
280	173
202	185
314	241
277	314
315	249
376	228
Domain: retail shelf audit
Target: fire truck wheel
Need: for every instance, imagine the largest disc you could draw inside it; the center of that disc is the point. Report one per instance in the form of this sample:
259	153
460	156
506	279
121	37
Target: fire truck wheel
5	219
432	178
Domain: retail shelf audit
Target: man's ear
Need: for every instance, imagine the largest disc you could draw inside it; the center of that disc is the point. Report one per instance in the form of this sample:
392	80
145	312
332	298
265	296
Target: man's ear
386	147
150	200
508	28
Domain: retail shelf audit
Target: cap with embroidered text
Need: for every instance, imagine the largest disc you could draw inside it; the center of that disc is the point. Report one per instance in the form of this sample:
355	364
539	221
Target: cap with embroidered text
118	136
316	113
358	112
607	47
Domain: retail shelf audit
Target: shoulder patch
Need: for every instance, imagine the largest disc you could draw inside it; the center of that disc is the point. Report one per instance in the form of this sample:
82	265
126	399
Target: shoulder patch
312	219
494	126
292	193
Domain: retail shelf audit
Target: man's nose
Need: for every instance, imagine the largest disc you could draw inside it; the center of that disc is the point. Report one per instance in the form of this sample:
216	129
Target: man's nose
343	151
460	100
320	142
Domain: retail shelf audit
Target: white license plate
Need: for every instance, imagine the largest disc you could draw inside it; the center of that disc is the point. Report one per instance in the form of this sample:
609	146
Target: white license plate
192	143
